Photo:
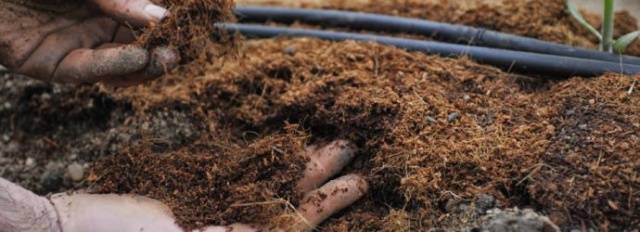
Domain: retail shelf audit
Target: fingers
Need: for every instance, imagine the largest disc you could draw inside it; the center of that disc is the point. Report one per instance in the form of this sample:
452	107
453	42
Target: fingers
334	196
44	60
115	65
319	204
161	60
103	213
325	162
134	12
91	65
19	40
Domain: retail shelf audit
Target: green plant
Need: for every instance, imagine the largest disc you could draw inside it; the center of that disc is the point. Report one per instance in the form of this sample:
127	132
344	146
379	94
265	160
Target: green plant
607	42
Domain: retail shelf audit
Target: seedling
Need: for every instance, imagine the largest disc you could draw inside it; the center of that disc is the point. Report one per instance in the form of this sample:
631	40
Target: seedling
607	42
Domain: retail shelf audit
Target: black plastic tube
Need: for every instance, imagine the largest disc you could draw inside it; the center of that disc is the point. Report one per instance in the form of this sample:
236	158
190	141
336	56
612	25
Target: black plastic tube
524	62
436	30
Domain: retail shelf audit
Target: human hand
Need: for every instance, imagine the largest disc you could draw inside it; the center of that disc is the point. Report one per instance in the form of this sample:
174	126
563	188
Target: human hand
24	211
81	41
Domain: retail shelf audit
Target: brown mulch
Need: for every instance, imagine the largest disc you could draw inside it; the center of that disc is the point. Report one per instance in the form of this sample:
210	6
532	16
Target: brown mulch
190	26
431	130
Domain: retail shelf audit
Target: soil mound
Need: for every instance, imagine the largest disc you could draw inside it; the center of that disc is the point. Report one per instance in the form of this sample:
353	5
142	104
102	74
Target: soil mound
433	132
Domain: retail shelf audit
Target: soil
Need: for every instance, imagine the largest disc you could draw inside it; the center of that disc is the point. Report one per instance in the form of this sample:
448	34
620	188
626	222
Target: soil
189	26
442	141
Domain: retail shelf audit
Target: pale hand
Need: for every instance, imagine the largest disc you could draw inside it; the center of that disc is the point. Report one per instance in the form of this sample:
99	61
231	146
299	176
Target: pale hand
21	210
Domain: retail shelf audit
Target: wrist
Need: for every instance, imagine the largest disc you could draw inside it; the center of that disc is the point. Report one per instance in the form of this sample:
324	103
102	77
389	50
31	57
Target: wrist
110	212
23	210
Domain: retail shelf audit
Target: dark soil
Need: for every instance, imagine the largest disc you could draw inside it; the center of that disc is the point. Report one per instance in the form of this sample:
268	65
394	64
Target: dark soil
441	140
45	128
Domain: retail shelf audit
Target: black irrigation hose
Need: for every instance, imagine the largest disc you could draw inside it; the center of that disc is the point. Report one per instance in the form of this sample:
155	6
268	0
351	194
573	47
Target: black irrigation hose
524	62
440	31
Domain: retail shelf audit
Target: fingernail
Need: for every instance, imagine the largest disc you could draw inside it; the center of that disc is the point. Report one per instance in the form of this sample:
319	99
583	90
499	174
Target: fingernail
156	11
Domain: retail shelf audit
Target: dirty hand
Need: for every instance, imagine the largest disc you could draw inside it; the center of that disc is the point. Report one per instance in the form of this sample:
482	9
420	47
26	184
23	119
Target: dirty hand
81	41
21	210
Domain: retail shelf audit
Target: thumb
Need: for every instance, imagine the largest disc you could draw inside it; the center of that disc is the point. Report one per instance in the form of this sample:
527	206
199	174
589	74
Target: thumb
134	12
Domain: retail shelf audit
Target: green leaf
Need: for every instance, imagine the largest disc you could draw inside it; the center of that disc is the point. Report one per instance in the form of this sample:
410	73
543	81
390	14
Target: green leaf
623	42
573	10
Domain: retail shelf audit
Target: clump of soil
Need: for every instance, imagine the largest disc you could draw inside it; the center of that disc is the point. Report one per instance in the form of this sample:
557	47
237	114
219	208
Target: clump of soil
190	26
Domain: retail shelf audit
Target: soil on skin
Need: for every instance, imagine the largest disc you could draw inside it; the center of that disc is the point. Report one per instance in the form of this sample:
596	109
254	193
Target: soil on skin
441	140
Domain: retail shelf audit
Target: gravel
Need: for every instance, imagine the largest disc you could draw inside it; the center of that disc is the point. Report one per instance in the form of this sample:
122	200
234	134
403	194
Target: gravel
485	202
50	134
453	117
516	220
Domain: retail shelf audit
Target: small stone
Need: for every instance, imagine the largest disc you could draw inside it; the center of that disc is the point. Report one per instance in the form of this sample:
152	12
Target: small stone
485	202
6	138
45	96
516	220
569	112
466	97
290	50
29	162
456	206
453	117
582	126
75	171
592	101
7	105
90	104
431	119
